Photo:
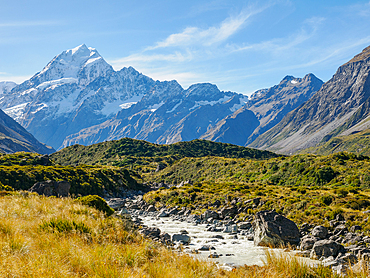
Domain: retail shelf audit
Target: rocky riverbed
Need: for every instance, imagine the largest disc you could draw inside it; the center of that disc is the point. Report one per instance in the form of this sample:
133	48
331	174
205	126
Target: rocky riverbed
231	242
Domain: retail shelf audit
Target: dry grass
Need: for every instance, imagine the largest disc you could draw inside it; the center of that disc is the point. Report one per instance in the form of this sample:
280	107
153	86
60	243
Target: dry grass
38	239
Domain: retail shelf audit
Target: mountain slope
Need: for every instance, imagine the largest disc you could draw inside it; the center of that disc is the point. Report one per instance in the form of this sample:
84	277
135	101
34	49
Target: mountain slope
264	110
14	138
357	142
342	104
179	115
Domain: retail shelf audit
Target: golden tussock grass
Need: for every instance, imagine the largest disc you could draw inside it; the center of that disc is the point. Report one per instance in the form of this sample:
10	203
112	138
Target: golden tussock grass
51	237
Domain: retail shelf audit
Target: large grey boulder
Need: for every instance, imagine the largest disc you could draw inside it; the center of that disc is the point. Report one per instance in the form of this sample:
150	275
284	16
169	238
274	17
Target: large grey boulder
320	232
181	238
326	248
151	232
229	211
51	188
275	230
307	242
116	203
210	214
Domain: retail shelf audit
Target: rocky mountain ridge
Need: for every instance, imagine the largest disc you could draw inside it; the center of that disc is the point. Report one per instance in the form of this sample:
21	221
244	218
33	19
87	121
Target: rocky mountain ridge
340	107
264	110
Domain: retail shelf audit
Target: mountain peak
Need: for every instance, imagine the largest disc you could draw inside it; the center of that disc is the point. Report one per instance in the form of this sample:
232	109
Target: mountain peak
81	63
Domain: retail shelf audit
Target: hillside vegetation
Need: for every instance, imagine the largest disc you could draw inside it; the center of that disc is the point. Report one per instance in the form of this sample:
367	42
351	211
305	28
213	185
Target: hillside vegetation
22	170
145	156
305	188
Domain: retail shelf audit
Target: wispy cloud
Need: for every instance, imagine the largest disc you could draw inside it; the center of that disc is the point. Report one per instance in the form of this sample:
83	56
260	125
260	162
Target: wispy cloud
206	37
283	44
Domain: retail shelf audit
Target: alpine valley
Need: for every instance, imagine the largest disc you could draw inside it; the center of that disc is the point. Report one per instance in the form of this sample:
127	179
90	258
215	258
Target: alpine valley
78	98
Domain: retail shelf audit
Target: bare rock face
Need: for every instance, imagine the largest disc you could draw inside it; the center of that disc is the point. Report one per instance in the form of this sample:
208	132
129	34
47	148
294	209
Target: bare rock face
51	188
340	107
274	230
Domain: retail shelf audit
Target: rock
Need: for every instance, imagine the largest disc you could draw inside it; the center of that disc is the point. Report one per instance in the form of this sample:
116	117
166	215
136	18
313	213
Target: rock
206	248
307	242
355	228
275	230
150	232
51	188
210	214
123	211
320	232
163	213
229	211
133	206
184	232
326	248
230	229
116	203
214	255
218	236
244	225
173	211
166	238
185	239
151	208
256	201
340	230
216	203
349	258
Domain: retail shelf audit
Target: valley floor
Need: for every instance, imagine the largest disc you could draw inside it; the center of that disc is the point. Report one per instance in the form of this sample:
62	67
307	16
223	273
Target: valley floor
52	237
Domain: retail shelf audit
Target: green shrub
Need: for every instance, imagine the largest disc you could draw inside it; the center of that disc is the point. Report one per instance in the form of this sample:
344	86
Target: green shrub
96	202
341	192
326	200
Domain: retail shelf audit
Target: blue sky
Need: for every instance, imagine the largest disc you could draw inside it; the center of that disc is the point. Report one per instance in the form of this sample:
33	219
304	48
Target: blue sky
240	46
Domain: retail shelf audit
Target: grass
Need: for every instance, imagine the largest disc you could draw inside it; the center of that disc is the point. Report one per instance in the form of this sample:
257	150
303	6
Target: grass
52	237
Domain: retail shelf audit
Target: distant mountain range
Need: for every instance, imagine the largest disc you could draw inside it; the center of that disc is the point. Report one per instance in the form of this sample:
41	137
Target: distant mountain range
79	99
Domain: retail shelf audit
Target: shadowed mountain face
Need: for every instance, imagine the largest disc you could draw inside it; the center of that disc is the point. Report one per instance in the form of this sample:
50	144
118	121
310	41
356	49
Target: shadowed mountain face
340	107
14	138
264	110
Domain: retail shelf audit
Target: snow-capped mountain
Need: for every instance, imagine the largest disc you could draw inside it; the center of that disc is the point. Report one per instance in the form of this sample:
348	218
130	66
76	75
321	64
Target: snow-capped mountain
78	98
264	110
6	86
78	89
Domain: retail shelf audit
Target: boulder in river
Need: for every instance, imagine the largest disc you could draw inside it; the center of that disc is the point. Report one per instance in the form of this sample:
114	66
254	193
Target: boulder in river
116	203
326	248
185	239
274	230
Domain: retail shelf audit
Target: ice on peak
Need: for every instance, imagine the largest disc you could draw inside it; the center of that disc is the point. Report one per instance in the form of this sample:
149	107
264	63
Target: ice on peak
82	47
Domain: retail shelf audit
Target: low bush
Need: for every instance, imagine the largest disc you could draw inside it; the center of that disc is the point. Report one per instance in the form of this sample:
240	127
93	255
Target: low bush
96	202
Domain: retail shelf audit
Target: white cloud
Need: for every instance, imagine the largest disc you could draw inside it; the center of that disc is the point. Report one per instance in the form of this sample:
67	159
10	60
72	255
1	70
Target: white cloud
206	37
276	46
